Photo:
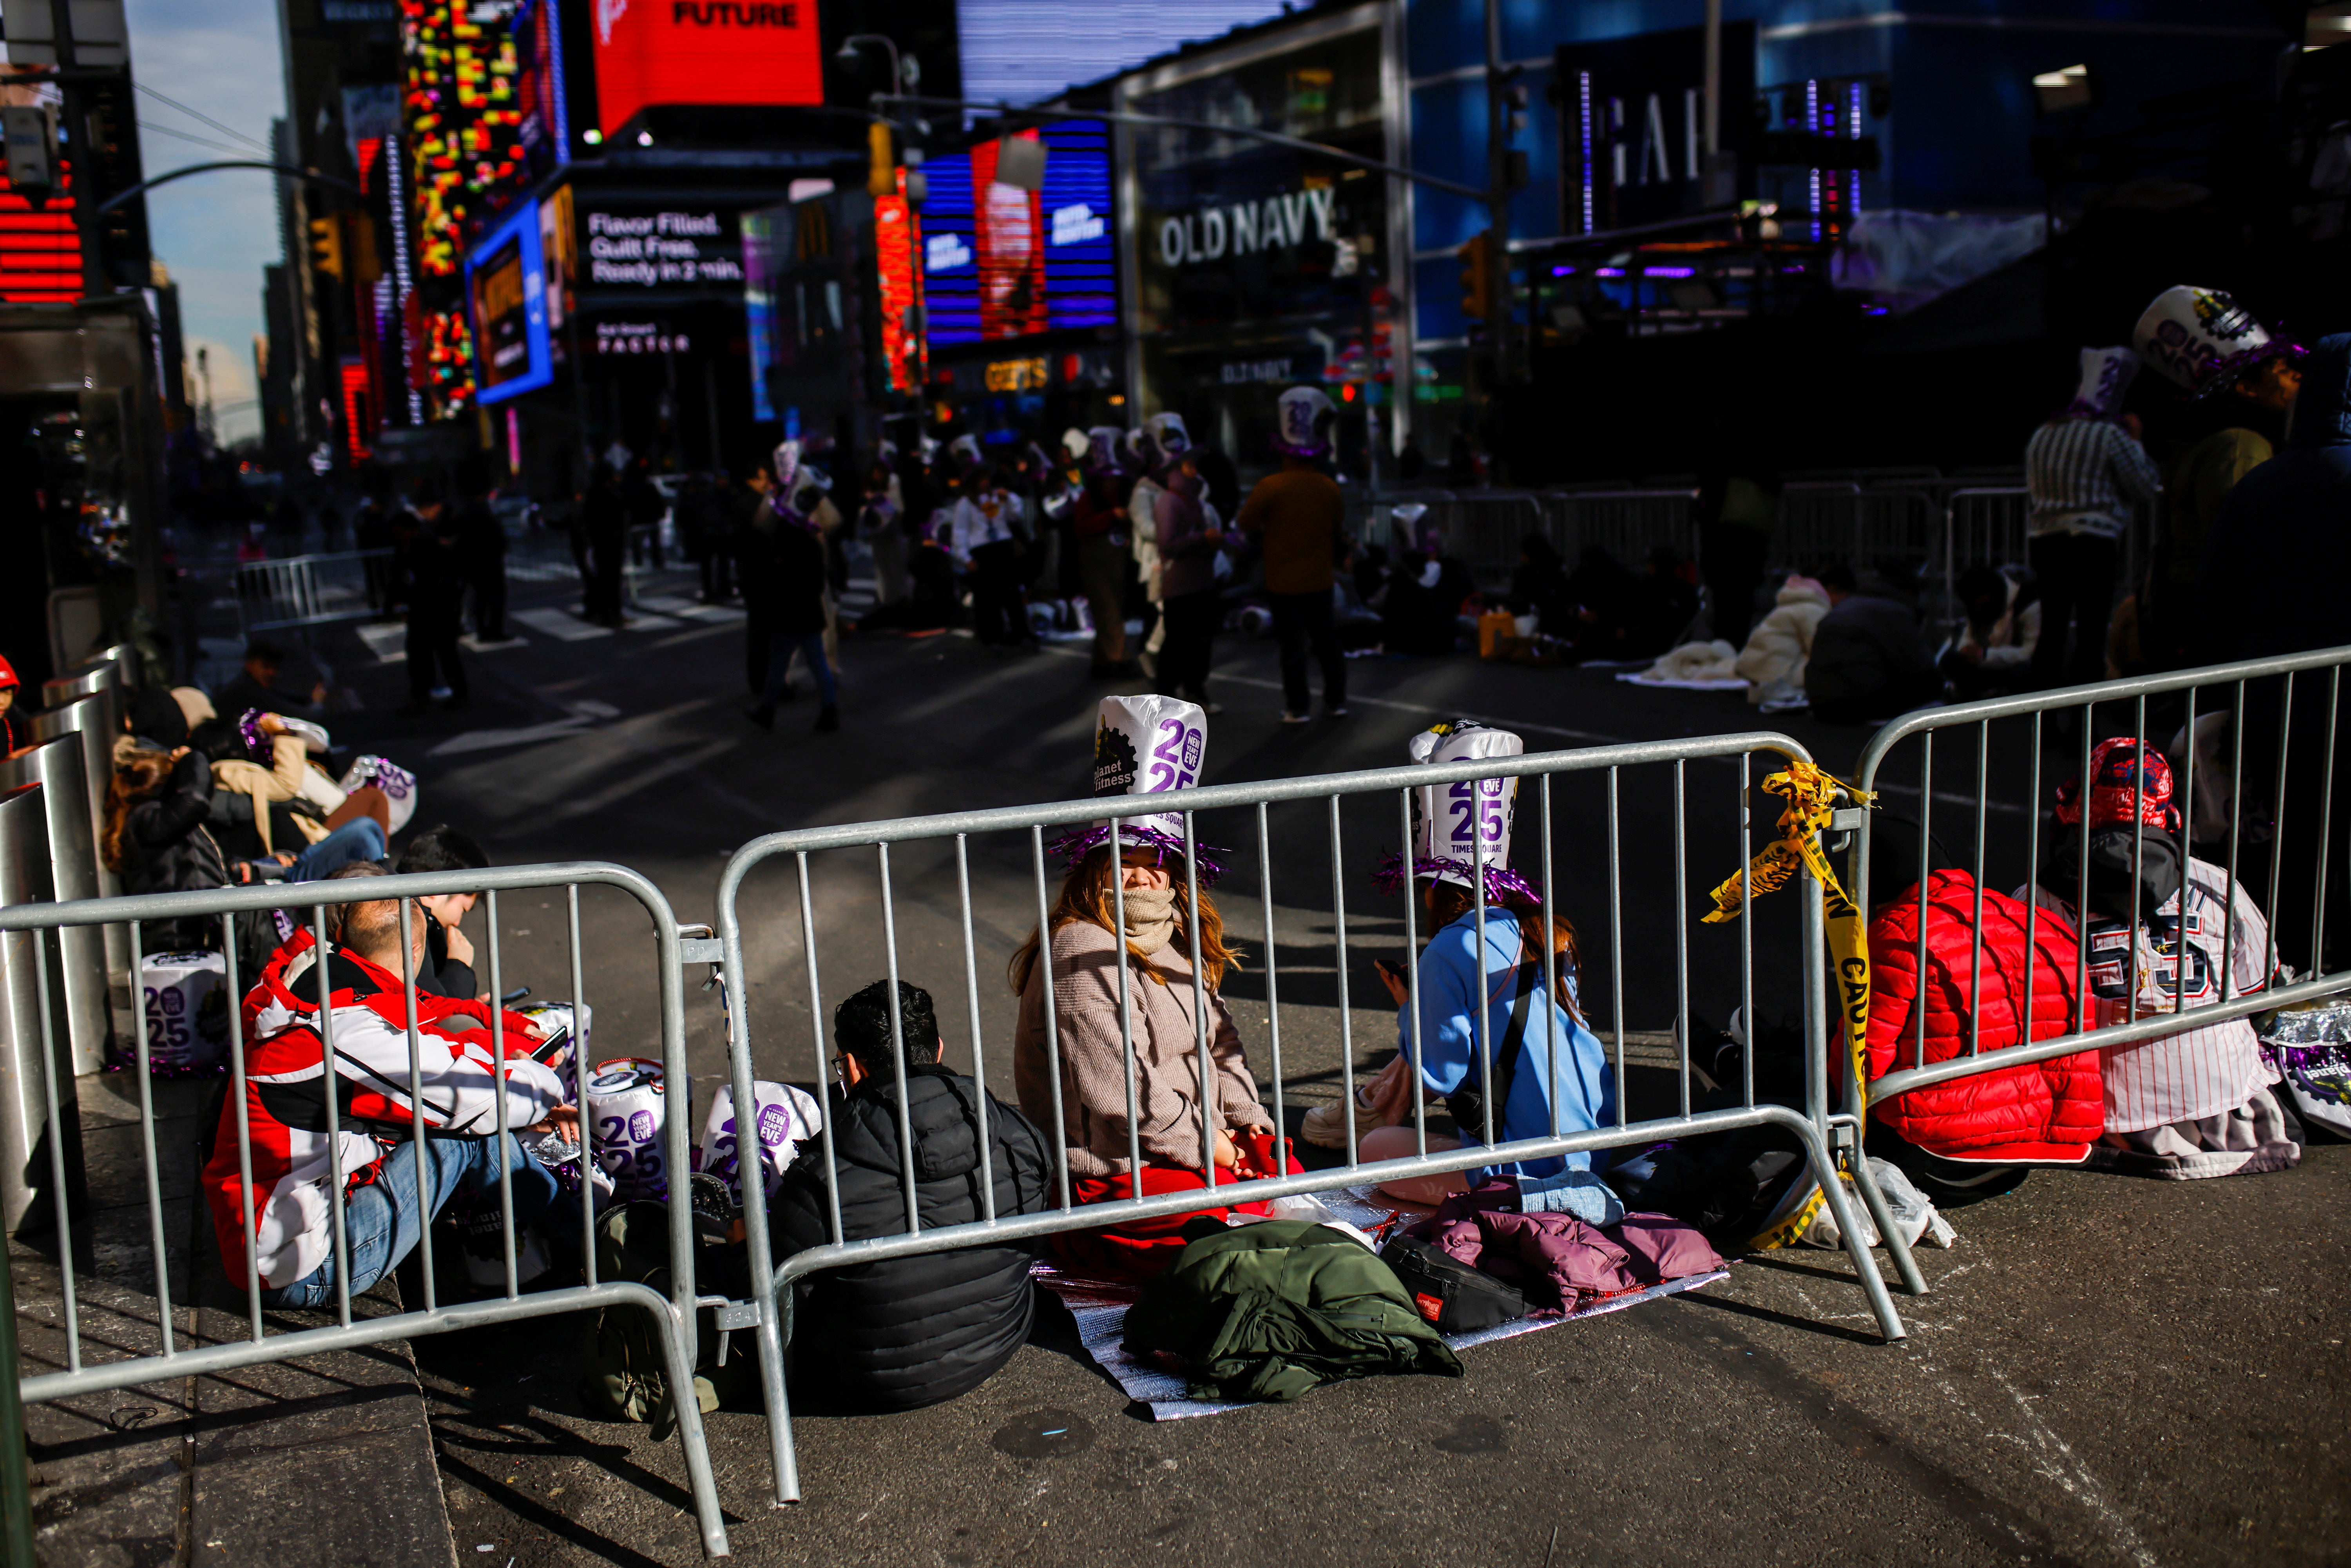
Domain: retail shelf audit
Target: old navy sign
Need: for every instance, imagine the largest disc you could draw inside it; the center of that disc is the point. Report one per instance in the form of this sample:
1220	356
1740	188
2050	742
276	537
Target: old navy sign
1269	223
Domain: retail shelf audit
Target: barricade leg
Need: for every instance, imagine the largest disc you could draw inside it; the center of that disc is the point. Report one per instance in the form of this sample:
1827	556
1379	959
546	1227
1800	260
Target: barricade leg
15	1468
1873	1283
1896	1247
678	1341
1815	1123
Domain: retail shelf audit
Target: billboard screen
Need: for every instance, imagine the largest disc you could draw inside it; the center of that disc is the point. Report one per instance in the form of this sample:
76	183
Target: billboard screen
999	263
505	285
703	52
630	241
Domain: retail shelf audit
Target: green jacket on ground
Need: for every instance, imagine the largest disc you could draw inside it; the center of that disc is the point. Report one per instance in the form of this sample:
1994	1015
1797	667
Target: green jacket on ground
1273	1309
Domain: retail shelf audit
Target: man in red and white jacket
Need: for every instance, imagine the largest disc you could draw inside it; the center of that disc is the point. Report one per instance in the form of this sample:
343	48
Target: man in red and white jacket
285	1110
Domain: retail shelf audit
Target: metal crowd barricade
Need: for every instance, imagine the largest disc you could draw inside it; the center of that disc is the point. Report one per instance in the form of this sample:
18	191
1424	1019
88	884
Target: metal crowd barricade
1627	524
1822	522
2277	722
822	946
311	589
1987	527
674	1315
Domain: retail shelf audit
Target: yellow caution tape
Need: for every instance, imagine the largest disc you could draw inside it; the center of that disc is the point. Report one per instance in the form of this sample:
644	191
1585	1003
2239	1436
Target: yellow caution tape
1788	1231
1811	794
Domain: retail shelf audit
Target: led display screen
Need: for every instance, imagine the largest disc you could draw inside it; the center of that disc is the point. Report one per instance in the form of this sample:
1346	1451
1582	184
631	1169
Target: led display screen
998	262
703	52
506	285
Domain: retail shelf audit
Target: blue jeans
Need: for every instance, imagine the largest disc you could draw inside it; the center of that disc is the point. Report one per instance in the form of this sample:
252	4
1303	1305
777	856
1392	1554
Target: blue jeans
382	1221
359	840
780	666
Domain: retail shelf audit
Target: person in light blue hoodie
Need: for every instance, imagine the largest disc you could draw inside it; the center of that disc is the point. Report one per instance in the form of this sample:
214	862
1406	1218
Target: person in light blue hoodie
1534	1070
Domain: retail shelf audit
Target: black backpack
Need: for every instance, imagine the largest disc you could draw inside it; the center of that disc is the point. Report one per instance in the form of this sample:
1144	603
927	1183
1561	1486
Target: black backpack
1454	1297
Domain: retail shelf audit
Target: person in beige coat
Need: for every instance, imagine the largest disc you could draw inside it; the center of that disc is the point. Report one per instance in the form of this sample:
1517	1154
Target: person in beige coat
1076	1078
1772	663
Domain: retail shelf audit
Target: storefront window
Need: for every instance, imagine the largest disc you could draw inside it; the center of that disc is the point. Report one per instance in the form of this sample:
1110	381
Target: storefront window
1260	266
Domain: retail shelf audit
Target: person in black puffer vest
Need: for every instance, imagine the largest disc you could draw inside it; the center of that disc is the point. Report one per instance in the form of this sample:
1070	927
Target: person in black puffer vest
909	1332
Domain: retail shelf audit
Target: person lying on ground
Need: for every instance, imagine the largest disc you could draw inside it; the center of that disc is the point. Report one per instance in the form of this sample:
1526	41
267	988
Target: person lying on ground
293	1156
1095	1125
448	970
909	1332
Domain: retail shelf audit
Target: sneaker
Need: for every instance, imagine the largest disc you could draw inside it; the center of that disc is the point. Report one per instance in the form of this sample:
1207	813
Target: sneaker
828	719
1325	1126
1290	717
1337	711
763	716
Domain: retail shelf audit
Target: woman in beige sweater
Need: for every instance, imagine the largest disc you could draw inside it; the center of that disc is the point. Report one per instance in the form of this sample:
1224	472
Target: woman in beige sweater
1105	1142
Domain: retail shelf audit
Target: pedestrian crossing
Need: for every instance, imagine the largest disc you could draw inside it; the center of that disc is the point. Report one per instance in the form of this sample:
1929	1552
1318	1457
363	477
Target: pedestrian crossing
559	624
683	608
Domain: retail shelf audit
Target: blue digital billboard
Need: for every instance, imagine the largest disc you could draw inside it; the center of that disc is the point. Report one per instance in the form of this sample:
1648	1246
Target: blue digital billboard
506	286
1000	263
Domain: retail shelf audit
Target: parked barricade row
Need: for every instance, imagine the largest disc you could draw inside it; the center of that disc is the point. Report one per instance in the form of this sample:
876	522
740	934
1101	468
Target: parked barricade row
1875	527
2236	765
312	590
2260	787
41	1127
1298	834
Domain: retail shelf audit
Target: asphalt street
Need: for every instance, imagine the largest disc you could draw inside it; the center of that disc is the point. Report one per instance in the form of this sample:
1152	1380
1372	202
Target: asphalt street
2106	1370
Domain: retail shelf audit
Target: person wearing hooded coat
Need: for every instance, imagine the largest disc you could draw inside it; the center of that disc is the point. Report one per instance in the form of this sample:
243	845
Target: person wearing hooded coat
2271	581
908	1332
1190	603
2242	406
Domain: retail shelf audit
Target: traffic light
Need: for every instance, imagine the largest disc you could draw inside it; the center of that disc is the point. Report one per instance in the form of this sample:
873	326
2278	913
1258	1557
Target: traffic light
882	170
1478	275
327	246
31	133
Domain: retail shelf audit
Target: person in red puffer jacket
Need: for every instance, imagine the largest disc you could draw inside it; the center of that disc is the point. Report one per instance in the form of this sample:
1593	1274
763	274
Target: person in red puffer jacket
2043	1113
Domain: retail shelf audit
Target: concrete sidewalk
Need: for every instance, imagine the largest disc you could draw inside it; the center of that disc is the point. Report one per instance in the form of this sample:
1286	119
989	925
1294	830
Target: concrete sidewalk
2107	1371
325	1460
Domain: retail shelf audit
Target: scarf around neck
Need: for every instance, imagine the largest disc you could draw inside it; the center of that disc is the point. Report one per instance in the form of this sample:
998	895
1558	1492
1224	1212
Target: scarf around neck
1150	919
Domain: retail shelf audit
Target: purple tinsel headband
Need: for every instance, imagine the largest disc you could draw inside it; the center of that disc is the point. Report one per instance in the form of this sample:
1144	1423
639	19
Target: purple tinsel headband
1499	879
249	729
1075	847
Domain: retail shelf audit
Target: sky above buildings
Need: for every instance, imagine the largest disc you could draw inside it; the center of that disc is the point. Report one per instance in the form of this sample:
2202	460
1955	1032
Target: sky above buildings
220	60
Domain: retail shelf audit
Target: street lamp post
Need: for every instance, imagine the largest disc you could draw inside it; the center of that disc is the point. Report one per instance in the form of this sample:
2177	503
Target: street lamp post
848	53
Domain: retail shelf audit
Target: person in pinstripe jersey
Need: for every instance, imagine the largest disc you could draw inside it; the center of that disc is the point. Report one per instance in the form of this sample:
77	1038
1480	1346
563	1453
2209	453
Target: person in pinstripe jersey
2086	470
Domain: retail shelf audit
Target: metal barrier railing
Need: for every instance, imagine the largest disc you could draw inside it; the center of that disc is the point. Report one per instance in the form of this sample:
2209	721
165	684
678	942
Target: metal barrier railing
403	1162
1987	527
1384	796
312	590
2282	720
1485	528
1875	527
1627	524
